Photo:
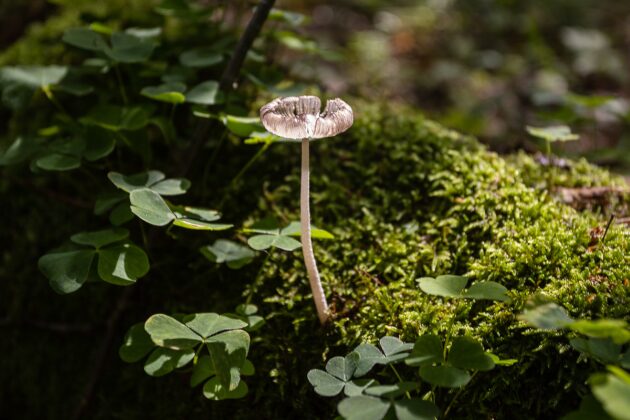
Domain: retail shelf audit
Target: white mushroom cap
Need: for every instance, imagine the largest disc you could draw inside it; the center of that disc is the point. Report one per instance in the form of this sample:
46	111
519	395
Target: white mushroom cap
299	117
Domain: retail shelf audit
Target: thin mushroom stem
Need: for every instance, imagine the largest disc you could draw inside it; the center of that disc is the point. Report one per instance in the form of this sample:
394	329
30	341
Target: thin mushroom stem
307	244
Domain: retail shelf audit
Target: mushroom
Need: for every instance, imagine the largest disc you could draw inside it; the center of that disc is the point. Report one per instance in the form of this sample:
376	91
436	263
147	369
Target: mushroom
300	118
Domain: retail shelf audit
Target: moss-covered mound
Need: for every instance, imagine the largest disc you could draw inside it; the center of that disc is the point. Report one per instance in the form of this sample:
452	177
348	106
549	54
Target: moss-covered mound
407	198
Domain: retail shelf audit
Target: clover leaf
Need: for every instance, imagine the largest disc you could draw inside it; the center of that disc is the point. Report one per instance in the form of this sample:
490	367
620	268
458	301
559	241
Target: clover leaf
119	261
393	350
271	235
176	339
339	372
453	286
167	92
552	134
231	253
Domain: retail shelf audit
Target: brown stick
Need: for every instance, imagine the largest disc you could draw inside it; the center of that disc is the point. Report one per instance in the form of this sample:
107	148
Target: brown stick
233	69
228	79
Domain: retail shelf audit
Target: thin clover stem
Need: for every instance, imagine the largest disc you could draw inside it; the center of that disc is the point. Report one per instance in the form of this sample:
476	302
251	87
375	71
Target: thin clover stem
407	394
249	163
456	396
258	278
121	85
244	169
143	232
51	97
552	168
451	322
197	351
307	244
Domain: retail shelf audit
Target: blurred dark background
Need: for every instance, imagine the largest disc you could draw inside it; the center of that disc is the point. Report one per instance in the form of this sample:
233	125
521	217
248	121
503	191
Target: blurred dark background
485	67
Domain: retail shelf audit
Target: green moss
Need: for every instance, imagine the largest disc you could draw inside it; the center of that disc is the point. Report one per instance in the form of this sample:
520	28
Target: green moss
406	198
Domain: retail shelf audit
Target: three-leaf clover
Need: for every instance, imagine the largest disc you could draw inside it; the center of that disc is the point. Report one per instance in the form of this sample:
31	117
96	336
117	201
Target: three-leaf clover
172	343
118	260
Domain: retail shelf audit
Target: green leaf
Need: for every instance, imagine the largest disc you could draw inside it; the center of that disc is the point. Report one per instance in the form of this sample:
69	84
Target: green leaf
205	93
66	270
117	118
20	150
262	242
394	349
447	286
246	309
99	144
84	38
292	18
613	393
200	57
107	201
214	390
324	383
616	329
200	225
242	126
625	359
202	371
426	351
466	353
357	386
162	361
391	391
100	238
487	290
74	88
130	183
248	368
590	409
268	226
207	324
604	350
206	215
121	214
553	134
233	254
145	33
122	264
136	345
229	352
58	162
501	362
166	331
369	356
295	229
168	92
34	77
444	376
363	408
127	48
171	186
548	316
415	409
150	207
343	367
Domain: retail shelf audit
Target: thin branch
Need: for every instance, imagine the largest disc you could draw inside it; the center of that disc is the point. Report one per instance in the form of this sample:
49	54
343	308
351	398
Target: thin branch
233	69
228	79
